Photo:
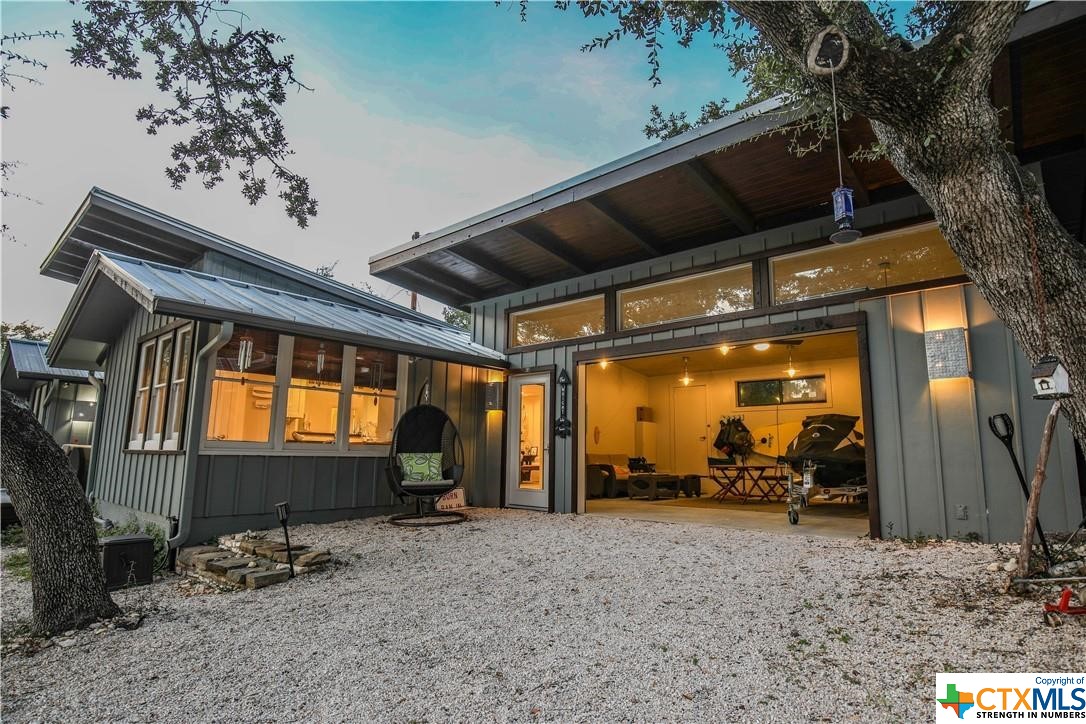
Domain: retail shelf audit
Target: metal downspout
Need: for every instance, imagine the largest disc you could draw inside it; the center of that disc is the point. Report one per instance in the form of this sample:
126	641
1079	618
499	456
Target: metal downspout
193	431
99	386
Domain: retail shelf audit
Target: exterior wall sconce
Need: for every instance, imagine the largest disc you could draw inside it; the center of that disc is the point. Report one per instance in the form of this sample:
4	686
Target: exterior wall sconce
495	396
947	352
1050	380
563	427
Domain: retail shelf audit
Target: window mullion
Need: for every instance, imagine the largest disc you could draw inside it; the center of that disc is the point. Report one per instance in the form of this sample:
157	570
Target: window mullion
282	390
346	399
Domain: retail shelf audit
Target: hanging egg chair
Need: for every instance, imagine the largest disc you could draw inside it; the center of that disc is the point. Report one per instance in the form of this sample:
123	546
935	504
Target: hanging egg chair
425	461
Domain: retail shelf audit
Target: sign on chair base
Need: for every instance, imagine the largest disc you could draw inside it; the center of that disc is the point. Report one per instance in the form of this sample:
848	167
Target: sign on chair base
426	518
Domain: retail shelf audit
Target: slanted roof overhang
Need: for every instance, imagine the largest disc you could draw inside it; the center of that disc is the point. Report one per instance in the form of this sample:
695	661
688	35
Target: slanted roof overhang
725	180
113	286
24	364
111	223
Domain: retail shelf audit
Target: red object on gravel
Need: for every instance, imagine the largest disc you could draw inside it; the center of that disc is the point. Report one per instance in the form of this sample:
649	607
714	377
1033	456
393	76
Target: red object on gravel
1064	606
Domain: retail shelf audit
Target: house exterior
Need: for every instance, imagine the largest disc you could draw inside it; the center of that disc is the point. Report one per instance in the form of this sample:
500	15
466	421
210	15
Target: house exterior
64	401
232	381
719	239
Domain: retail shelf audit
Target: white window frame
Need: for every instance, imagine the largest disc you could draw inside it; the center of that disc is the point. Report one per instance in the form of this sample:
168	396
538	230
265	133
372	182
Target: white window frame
136	437
277	446
152	438
285	344
147	439
171	439
399	408
288	385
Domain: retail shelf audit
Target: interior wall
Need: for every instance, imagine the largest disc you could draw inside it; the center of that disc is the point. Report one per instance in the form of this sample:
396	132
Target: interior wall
780	421
614	394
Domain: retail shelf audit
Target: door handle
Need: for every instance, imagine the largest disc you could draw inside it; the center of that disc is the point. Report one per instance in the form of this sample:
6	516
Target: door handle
703	438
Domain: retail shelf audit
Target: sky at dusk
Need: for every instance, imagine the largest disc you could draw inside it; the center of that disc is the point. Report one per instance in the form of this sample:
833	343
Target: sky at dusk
422	114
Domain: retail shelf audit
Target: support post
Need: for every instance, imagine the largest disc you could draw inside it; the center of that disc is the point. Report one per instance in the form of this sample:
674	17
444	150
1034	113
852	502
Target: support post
1039	473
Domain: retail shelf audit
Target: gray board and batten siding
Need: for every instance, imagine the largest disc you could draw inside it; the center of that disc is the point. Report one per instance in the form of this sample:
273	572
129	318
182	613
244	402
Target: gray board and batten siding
236	490
239	490
146	484
934	449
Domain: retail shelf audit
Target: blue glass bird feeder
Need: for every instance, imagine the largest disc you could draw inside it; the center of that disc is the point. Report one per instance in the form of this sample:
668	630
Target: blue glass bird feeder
843	214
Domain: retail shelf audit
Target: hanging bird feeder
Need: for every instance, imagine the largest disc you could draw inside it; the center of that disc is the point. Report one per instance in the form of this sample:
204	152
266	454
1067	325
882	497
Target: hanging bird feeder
843	215
827	54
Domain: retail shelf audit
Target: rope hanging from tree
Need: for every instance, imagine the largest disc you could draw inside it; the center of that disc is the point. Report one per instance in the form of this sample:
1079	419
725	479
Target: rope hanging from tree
828	52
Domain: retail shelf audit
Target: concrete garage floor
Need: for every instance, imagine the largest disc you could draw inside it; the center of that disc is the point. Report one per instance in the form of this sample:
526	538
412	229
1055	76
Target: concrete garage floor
827	520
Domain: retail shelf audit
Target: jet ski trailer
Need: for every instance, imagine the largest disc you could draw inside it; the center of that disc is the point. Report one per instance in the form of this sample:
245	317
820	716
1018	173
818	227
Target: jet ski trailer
830	461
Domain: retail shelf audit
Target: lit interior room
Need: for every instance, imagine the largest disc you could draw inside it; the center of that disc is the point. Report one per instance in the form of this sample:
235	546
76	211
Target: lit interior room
742	434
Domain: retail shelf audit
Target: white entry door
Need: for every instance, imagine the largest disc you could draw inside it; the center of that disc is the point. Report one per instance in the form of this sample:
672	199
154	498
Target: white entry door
528	454
690	426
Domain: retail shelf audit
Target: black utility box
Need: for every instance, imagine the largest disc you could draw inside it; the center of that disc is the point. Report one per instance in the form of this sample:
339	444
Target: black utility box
127	560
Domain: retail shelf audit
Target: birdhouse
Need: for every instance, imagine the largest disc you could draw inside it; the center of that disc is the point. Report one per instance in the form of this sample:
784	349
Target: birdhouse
1050	380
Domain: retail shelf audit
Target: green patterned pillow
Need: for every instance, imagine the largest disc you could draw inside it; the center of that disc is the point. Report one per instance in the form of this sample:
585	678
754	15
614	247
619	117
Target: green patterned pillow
420	467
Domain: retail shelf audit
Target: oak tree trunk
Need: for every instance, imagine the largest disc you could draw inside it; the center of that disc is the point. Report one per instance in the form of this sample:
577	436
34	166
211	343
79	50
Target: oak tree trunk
929	107
994	215
66	573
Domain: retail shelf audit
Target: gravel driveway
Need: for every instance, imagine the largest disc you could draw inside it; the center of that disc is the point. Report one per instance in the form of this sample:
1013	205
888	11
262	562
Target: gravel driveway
521	616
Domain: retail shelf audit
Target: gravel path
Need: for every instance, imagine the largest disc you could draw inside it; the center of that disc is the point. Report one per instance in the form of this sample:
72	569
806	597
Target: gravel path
521	616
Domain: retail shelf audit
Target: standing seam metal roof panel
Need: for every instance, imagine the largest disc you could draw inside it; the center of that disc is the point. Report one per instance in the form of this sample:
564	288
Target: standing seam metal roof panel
28	359
173	290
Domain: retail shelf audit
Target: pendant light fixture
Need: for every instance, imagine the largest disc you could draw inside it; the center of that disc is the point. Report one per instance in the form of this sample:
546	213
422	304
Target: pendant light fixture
686	379
791	371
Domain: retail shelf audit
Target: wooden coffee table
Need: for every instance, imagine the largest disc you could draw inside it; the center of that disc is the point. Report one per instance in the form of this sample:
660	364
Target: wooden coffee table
653	485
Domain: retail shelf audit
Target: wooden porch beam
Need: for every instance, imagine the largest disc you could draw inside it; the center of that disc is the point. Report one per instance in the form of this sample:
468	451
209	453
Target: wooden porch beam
719	194
627	227
76	270
443	278
490	265
552	245
106	221
424	285
93	239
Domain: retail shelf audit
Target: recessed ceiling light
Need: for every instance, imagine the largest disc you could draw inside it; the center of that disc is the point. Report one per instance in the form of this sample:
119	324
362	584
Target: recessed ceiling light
762	346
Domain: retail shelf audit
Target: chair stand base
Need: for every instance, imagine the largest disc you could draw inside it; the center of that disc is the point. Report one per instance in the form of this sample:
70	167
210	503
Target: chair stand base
426	520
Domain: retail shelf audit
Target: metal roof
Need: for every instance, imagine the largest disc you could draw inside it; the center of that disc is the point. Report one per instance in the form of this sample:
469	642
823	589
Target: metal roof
725	180
171	290
108	222
24	362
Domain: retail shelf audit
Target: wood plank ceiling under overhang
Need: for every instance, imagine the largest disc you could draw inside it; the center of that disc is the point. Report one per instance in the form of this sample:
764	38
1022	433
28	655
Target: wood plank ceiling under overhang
754	185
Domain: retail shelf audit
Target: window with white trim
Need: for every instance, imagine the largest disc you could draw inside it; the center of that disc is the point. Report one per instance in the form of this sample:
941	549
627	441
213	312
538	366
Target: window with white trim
243	387
161	388
175	418
313	396
373	397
